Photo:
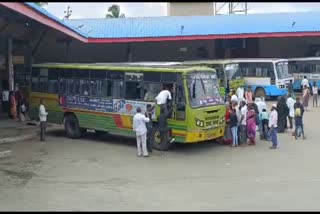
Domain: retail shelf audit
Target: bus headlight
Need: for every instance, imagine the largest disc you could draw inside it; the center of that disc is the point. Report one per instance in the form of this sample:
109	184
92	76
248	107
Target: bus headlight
200	123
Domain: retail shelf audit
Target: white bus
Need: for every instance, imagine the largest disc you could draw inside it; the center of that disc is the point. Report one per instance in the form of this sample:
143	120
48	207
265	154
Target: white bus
268	77
305	66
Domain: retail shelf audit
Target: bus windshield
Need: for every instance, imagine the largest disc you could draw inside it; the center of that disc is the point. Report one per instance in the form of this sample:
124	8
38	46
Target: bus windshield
233	71
203	90
283	70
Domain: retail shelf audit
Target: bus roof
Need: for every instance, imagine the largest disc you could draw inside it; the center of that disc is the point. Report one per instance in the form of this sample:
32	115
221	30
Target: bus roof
136	66
304	59
223	61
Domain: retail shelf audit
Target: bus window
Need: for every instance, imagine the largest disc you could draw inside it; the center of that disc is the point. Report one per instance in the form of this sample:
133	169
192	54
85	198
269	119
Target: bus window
83	76
151	90
65	75
168	77
181	100
35	79
53	81
134	89
115	84
43	80
98	83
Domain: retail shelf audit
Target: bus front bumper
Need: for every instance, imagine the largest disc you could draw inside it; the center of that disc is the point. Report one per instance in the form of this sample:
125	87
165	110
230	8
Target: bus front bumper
204	135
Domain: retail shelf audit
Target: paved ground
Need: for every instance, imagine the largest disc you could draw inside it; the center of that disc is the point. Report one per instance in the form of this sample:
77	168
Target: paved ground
105	174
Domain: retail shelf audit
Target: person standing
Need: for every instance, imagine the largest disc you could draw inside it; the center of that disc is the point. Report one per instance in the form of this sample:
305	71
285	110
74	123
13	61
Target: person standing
227	91
290	103
305	97
283	112
243	123
264	118
260	105
149	112
5	101
18	96
234	97
139	127
249	95
227	134
43	119
240	93
273	125
315	93
13	106
251	124
290	89
234	127
304	82
298	117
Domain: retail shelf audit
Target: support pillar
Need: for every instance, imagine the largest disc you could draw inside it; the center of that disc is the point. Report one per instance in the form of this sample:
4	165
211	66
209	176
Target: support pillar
10	66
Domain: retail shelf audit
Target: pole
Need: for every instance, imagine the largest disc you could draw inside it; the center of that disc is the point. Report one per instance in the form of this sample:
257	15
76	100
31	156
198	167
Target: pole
10	65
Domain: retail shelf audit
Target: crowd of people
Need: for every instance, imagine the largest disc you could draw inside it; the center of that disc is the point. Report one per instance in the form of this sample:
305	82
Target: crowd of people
245	117
14	104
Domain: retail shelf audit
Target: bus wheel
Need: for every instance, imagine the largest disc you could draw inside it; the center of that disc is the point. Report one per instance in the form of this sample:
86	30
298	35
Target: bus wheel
72	127
157	140
260	92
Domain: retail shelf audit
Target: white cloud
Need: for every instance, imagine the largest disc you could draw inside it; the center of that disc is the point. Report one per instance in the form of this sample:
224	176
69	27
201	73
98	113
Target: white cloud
140	9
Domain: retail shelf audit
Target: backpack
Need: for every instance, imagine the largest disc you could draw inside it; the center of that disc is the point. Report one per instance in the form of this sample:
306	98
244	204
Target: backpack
297	112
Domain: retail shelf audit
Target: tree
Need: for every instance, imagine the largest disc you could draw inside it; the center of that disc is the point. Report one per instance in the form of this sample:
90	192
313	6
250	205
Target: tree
114	12
41	3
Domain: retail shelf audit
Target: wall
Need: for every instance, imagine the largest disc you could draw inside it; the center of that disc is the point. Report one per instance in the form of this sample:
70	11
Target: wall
190	9
287	47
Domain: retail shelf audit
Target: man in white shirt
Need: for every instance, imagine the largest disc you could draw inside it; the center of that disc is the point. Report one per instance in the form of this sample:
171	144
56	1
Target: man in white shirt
273	125
43	119
290	103
243	123
162	99
240	94
139	127
261	105
234	97
304	82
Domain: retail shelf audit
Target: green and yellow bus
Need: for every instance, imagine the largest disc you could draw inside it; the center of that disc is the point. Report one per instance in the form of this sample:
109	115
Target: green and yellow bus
224	71
104	97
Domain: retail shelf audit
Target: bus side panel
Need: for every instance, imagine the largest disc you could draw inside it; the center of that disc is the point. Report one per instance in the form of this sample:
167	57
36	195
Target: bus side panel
52	107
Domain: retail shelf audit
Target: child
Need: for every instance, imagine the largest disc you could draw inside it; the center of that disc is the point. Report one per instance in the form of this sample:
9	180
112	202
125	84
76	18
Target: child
264	118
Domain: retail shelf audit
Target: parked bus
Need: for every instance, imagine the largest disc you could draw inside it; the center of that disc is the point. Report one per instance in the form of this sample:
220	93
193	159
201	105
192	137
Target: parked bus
267	77
104	98
223	72
305	66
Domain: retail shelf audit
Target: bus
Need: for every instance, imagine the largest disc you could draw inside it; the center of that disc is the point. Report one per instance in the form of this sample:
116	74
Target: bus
223	72
268	77
104	97
304	66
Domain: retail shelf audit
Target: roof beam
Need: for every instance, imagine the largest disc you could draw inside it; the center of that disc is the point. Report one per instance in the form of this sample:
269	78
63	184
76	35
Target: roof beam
29	12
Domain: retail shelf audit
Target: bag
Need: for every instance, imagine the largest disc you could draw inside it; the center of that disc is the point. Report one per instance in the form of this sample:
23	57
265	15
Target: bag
297	112
23	108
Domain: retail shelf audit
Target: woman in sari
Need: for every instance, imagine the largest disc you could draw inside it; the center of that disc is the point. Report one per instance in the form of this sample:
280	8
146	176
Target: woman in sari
305	96
251	124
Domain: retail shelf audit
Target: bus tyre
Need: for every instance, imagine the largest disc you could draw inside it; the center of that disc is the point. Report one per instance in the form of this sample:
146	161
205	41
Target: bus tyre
155	135
72	127
260	92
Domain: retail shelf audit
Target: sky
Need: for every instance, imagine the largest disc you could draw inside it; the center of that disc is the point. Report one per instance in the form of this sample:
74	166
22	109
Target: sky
140	9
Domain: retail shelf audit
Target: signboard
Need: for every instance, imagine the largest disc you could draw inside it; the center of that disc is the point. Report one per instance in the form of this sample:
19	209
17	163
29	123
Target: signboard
127	107
87	103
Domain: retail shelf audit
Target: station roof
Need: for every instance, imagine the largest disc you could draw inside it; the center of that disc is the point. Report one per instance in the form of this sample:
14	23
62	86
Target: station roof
175	28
